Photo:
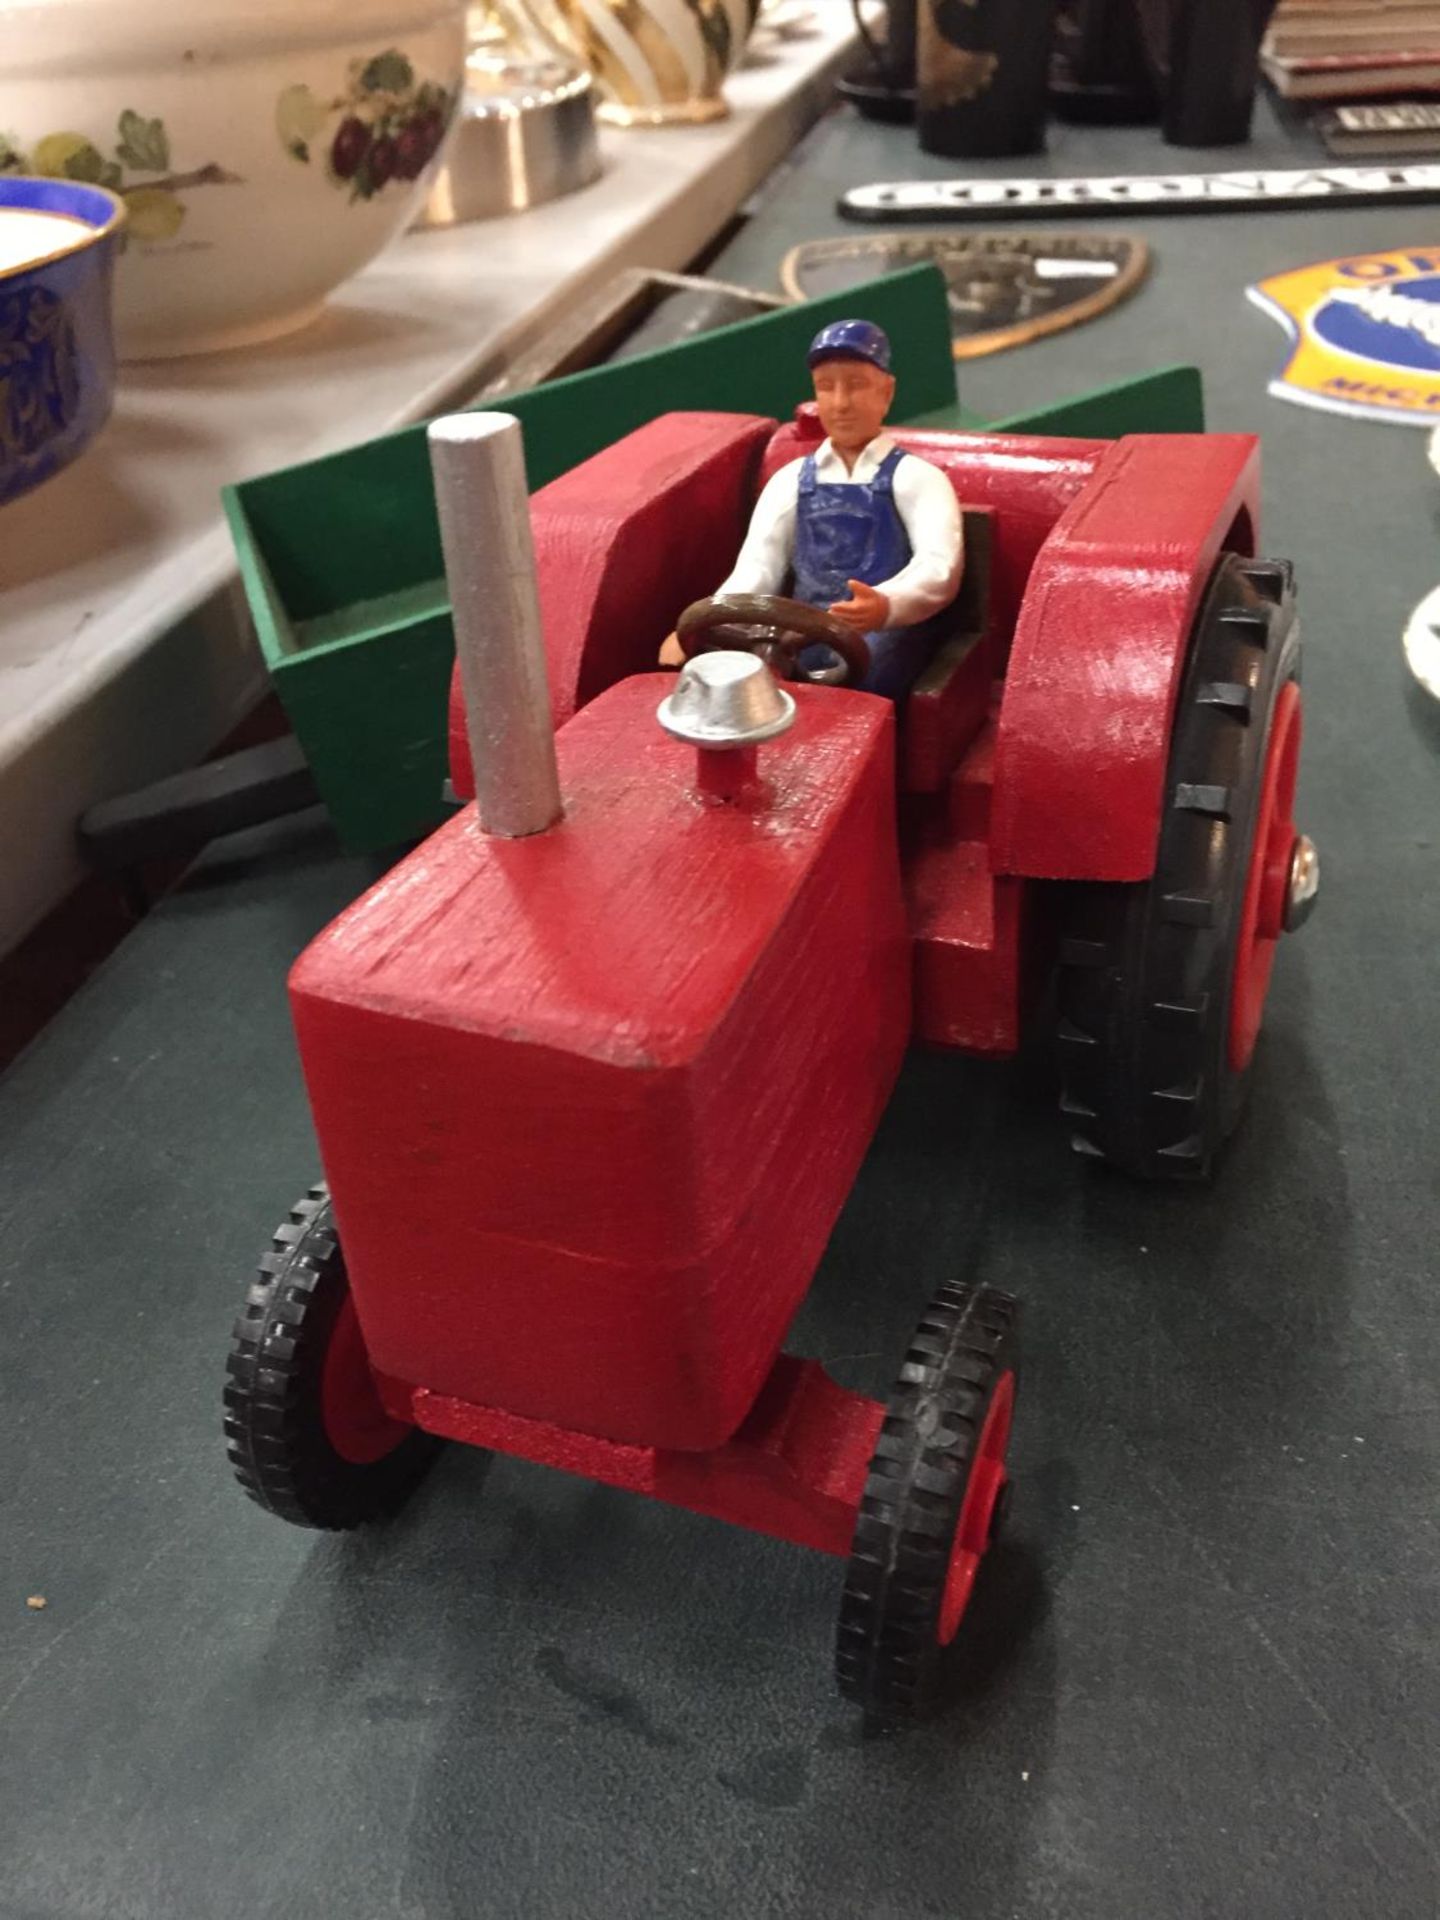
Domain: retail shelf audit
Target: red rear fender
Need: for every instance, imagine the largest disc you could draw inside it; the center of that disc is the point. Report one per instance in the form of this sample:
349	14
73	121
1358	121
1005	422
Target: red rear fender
1099	648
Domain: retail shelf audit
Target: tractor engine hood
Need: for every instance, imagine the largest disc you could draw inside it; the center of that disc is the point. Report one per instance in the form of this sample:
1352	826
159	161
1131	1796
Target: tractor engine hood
590	1101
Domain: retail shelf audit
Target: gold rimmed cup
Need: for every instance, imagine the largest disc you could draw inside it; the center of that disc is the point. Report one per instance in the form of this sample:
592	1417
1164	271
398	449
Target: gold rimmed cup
57	340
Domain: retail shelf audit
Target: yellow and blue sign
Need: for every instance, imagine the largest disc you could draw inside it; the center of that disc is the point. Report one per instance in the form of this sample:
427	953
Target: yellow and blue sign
1364	334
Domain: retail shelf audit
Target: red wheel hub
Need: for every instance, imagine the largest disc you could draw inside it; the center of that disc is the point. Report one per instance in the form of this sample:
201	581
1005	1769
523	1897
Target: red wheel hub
1267	884
977	1513
356	1424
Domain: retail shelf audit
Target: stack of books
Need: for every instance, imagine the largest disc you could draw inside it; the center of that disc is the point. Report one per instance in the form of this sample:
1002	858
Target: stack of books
1353	49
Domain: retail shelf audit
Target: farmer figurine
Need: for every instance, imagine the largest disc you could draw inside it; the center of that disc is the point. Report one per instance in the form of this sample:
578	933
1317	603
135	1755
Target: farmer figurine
859	528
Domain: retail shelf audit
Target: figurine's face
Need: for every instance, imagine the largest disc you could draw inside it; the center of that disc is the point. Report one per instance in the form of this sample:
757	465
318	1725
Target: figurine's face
853	398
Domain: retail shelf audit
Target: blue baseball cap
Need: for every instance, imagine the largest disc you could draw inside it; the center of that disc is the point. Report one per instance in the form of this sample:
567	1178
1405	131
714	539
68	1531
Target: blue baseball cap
851	340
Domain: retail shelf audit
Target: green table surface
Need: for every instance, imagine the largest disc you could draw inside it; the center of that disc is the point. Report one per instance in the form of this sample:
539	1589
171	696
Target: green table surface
1201	1677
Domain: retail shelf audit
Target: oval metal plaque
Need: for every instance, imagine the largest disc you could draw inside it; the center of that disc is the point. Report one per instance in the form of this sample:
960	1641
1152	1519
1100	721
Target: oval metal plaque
1004	288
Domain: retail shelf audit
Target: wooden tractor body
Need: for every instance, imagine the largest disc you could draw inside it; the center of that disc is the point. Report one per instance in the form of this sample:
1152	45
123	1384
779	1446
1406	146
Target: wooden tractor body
590	1101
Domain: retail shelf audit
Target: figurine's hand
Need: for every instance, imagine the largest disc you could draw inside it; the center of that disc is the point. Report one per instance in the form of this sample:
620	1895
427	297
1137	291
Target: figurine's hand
671	652
866	610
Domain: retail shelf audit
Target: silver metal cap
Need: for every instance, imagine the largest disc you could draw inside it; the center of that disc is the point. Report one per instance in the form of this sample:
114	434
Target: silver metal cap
726	700
1303	887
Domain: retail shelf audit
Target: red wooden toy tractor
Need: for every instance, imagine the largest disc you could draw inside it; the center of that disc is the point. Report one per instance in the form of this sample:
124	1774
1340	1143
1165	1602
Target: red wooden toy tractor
594	1068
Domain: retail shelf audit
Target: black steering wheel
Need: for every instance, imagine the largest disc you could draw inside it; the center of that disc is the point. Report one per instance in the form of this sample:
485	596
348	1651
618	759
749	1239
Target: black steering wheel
779	630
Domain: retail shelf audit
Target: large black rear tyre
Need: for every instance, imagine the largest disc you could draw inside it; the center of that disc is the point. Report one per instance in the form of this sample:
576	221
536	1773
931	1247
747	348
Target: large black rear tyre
1154	1077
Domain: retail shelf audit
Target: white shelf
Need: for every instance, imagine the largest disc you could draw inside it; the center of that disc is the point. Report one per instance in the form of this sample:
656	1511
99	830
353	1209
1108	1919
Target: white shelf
125	651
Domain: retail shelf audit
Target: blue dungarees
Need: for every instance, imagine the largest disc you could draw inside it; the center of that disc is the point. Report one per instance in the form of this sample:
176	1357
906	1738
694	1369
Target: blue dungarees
854	532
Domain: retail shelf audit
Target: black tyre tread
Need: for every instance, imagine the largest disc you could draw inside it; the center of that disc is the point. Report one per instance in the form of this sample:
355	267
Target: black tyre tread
274	1431
1143	1021
887	1650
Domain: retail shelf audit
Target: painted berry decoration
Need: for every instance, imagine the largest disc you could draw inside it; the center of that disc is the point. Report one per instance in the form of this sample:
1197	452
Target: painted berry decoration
142	173
410	153
418	144
347	149
382	163
390	128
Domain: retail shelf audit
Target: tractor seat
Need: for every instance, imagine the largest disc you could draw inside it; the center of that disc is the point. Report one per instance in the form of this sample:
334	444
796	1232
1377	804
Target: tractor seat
948	704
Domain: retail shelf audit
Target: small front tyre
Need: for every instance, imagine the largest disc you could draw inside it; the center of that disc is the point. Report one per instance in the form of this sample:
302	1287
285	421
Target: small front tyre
933	1499
304	1427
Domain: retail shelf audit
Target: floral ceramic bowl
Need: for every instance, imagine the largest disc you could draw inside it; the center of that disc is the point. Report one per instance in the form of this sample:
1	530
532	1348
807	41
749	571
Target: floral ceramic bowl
265	149
57	353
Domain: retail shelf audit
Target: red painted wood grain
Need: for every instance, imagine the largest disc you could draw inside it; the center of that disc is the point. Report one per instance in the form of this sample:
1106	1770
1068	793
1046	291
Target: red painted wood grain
795	1469
975	933
1084	731
590	1102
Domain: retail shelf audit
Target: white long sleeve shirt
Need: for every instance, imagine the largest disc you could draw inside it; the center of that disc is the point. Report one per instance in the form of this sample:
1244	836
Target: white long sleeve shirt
928	509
